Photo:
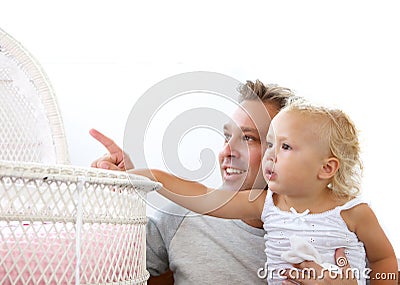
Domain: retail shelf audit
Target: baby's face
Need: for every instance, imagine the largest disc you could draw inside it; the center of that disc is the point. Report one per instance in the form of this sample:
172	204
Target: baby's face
295	152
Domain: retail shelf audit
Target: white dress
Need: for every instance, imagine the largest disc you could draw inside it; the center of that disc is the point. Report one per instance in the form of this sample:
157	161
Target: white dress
325	231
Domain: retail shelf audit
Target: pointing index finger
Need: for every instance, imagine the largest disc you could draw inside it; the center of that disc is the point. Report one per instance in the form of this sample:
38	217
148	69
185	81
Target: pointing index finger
108	143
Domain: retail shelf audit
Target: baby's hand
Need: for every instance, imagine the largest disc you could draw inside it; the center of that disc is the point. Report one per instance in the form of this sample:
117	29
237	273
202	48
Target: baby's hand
116	159
323	277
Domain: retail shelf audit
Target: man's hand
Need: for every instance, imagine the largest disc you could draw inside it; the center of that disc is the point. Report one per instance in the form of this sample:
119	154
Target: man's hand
164	279
325	278
116	159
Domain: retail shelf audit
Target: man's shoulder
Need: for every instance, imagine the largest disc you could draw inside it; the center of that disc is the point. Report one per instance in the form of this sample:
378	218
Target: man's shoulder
165	221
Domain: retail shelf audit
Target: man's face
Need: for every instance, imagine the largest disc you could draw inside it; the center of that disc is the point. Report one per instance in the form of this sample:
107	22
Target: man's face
245	143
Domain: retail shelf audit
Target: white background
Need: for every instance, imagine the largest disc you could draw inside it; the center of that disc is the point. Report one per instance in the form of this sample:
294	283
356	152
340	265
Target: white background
102	55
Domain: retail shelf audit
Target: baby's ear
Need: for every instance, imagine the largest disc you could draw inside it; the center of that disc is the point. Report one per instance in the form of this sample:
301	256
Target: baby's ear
329	168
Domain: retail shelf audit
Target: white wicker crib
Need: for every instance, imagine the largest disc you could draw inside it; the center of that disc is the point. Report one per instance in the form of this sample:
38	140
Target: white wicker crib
31	125
69	225
59	224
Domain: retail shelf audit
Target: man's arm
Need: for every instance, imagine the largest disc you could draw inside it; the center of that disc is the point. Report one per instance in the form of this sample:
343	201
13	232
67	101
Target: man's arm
160	230
157	262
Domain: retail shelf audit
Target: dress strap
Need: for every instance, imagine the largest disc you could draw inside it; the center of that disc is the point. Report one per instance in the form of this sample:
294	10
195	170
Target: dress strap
352	203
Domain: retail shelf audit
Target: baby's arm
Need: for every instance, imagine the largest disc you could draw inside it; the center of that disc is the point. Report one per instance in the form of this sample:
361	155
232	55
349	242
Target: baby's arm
381	257
204	200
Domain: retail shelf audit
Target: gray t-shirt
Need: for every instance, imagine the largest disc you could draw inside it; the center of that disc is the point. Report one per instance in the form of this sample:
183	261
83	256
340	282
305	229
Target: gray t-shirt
202	249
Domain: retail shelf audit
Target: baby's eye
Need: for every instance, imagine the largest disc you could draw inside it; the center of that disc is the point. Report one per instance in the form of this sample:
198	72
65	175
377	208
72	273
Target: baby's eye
227	137
286	146
269	145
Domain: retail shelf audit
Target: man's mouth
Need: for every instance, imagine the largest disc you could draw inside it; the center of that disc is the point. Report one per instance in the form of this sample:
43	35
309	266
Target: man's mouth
231	170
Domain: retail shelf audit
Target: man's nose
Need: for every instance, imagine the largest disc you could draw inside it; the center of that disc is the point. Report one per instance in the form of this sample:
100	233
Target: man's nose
230	149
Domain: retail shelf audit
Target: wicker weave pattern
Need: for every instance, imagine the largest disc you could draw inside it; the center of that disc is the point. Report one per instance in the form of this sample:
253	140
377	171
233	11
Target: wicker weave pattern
65	225
59	224
31	125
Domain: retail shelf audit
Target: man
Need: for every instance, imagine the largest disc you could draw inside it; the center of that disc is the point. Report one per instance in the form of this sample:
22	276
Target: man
208	250
203	249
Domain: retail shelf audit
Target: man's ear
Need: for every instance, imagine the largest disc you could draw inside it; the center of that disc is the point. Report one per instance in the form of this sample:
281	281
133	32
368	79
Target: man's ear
329	168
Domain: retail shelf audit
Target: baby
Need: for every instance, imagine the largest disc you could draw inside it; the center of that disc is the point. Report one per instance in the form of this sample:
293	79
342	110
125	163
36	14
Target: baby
313	168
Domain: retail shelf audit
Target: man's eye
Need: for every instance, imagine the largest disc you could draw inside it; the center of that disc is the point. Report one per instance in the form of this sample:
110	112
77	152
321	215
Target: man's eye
249	138
269	145
286	146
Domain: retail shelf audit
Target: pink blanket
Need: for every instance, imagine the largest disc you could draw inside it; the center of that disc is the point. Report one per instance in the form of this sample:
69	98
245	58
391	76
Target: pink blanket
46	253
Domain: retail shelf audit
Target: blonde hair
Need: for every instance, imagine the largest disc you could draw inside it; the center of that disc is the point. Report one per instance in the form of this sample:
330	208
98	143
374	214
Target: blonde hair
339	130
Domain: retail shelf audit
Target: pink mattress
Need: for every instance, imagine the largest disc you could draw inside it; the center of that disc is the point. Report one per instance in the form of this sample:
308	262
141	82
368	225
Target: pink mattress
46	253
